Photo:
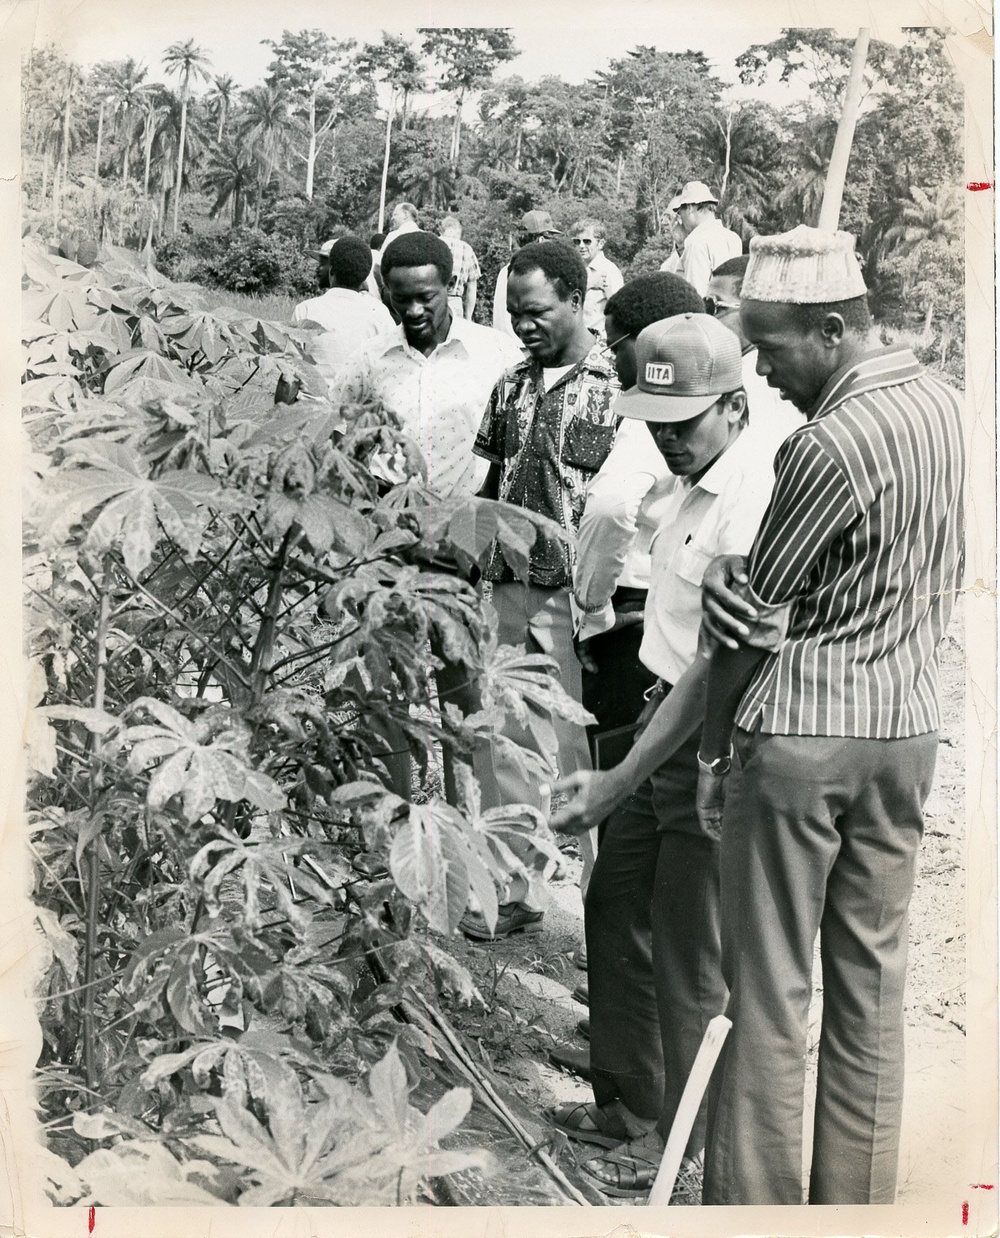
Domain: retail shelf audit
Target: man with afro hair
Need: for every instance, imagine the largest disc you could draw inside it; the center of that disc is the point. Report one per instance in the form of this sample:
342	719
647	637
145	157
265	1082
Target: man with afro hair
346	313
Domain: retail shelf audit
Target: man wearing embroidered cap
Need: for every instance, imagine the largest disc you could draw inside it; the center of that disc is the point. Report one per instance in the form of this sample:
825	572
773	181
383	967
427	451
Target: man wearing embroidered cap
652	908
858	558
707	242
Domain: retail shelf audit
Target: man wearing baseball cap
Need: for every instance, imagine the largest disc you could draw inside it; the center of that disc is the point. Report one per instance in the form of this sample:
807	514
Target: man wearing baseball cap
834	732
654	893
707	242
535	226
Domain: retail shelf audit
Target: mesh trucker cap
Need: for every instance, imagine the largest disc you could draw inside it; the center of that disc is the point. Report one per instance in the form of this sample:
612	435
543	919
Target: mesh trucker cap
684	365
537	222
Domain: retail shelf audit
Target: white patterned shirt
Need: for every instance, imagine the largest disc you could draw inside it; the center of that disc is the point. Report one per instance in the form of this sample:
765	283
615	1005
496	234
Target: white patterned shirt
439	399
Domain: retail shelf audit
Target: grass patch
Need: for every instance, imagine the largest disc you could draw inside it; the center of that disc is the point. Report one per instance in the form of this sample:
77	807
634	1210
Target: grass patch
275	307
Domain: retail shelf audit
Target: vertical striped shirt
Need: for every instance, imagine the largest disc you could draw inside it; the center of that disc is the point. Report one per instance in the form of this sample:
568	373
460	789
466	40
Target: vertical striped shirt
862	542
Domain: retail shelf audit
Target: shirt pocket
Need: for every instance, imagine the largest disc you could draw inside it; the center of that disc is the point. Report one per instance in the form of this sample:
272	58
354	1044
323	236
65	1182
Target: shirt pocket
586	445
690	563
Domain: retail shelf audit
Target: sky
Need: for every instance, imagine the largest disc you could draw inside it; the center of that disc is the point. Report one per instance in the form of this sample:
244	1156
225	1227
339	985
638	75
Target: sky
570	41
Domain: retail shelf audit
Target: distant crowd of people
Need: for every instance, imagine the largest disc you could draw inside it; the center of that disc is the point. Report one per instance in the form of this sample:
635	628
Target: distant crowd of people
764	516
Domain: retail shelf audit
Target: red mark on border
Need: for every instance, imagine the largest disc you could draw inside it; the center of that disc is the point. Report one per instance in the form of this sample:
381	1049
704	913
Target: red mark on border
92	1219
965	1214
982	1186
979	186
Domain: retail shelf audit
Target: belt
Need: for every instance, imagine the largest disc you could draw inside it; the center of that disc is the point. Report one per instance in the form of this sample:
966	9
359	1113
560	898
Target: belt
657	691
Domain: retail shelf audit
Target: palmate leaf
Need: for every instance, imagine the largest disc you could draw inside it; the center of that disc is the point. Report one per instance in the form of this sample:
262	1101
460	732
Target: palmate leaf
199	772
471	525
114	477
144	363
144	1173
65	307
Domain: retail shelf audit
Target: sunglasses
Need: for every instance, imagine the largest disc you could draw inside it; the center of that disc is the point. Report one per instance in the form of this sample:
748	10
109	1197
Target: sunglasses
713	306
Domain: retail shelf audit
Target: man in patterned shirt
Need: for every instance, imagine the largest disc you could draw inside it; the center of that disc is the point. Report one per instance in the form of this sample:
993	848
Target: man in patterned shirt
547	429
859	556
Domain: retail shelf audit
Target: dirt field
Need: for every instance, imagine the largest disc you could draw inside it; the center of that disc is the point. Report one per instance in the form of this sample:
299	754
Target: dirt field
527	981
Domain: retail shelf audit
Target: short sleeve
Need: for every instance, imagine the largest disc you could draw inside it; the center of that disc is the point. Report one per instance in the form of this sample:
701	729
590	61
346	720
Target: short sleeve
812	503
489	439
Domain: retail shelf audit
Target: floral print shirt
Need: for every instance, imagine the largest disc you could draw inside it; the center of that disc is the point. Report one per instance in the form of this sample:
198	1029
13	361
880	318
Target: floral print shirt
548	444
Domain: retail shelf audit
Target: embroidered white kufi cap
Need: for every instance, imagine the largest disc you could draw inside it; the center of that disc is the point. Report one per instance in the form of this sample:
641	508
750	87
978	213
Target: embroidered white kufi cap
806	266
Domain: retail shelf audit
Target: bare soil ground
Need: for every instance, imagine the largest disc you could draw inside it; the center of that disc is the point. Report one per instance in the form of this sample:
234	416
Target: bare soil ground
527	982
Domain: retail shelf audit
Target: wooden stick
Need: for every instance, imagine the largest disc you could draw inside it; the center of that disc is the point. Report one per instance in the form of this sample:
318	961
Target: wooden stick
497	1103
687	1110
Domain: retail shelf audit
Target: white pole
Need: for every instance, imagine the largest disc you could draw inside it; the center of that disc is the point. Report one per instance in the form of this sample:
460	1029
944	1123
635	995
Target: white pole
687	1110
833	191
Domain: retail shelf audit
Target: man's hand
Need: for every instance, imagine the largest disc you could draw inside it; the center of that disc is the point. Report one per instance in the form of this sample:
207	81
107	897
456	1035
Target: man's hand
592	799
710	800
724	610
584	656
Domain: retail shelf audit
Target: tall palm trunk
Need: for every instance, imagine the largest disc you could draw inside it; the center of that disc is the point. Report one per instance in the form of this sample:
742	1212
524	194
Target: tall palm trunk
385	161
180	159
100	135
456	130
311	154
147	154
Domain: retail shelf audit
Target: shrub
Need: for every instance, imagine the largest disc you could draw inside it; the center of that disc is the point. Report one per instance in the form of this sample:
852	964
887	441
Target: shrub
249	260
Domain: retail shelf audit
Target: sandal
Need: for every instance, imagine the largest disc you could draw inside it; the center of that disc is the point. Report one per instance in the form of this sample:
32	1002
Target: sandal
629	1170
589	1124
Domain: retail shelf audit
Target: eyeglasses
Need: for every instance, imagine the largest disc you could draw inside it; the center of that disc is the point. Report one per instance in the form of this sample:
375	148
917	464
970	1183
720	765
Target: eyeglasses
585	240
611	345
714	306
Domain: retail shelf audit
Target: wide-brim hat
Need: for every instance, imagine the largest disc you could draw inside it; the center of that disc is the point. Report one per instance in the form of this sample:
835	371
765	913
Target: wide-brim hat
694	193
806	266
684	365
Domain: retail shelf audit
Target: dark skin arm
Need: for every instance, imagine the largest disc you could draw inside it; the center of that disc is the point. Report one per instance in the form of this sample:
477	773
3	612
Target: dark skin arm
490	488
729	675
724	612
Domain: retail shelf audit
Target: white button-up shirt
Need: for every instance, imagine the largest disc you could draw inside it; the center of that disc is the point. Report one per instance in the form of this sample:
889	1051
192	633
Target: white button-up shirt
604	279
707	247
439	399
717	515
349	319
629	496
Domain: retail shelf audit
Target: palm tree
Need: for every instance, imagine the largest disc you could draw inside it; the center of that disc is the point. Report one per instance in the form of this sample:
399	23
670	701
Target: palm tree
929	224
401	66
221	97
126	93
188	61
229	175
802	197
157	107
264	126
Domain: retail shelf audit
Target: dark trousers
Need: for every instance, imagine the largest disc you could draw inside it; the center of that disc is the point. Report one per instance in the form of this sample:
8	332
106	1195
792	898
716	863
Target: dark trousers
614	694
652	921
820	835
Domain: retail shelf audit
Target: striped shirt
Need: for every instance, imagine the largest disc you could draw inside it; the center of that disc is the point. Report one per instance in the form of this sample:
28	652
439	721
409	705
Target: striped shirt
862	542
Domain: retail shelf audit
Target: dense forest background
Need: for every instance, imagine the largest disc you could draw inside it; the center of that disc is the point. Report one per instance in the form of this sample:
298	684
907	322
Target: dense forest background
232	186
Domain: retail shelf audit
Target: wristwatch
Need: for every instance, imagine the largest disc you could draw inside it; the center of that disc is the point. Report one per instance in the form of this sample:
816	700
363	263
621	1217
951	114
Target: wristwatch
718	767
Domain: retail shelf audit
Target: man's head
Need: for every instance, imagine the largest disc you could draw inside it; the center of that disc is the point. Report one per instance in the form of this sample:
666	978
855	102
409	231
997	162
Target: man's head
722	298
416	269
451	226
402	213
638	304
350	263
694	204
804	307
689	390
375	240
588	236
546	285
536	226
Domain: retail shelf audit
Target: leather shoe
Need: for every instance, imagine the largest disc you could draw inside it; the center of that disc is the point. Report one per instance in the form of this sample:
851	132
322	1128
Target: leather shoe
513	918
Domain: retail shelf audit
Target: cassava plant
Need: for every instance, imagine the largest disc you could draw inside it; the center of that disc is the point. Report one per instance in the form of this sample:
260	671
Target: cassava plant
225	609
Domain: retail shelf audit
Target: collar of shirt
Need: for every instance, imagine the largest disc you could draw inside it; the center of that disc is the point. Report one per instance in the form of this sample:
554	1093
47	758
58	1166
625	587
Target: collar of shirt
883	367
458	337
716	477
596	362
